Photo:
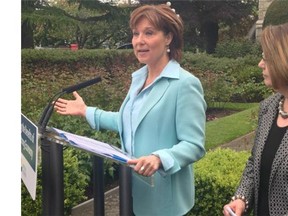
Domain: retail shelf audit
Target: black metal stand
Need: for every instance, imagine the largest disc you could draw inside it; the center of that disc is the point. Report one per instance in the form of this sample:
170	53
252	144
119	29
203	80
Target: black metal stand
98	186
52	178
125	191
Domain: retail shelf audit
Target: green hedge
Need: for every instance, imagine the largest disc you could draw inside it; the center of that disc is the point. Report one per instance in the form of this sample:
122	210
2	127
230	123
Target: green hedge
228	79
45	72
216	178
236	48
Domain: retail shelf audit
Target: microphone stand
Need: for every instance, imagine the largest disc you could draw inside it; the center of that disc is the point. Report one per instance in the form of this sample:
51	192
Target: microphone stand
49	108
52	159
52	166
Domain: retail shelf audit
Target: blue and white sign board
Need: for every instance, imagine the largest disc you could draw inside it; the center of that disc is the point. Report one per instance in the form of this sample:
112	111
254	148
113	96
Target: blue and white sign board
29	154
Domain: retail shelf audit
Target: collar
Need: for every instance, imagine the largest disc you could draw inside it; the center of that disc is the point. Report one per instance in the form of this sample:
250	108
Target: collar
171	70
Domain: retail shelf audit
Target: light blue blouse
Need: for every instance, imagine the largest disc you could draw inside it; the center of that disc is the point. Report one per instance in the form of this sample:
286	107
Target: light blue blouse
131	111
132	108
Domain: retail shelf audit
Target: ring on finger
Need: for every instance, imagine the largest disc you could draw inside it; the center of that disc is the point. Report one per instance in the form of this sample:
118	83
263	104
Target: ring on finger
142	168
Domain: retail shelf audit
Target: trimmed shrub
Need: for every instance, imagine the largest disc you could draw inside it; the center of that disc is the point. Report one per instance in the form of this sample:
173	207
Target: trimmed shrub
216	178
236	48
276	13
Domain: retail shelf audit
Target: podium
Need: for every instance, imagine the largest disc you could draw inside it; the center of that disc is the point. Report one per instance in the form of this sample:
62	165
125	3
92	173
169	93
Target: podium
52	166
52	142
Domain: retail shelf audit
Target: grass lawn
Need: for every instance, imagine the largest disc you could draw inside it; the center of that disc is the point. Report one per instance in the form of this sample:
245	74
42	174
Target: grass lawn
228	128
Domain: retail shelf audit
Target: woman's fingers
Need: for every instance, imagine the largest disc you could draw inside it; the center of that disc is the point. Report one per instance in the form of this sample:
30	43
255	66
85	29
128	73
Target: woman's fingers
71	107
76	95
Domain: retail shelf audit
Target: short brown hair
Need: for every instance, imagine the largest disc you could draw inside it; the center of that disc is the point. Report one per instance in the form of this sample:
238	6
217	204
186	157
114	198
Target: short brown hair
274	42
163	18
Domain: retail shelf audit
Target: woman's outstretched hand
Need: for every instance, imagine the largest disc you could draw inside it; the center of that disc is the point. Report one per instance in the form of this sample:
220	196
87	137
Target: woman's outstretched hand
75	107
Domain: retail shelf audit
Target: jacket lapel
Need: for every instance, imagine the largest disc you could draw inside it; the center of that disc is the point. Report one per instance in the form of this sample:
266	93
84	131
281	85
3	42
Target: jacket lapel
267	121
155	95
281	154
265	125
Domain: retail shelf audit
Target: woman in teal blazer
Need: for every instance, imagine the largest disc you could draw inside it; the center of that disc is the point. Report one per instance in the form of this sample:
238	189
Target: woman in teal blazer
161	122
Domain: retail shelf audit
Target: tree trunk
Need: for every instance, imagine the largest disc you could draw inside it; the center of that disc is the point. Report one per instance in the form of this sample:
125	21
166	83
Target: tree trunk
26	35
210	32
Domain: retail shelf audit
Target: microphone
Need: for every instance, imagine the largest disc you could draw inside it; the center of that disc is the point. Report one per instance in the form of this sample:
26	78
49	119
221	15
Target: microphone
49	108
79	86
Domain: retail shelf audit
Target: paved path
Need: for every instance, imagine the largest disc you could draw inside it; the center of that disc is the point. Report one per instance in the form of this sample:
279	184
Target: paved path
111	205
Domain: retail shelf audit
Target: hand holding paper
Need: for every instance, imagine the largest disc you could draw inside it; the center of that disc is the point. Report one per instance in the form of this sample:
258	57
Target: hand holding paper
146	165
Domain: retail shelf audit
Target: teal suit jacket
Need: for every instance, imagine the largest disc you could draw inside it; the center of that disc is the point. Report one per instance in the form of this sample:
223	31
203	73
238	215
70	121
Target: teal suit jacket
171	124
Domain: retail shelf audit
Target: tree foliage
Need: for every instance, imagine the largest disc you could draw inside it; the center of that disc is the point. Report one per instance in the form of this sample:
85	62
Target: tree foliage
203	19
93	24
85	22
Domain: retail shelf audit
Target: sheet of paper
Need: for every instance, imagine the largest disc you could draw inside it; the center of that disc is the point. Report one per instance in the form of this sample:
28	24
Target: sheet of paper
93	146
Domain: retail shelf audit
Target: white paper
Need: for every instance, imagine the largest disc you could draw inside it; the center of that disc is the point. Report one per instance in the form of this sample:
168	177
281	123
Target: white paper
93	146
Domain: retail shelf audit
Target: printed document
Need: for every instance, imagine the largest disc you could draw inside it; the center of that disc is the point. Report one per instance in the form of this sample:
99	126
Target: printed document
93	146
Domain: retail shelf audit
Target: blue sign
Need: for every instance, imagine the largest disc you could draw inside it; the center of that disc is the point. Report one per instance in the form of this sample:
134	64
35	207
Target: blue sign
29	133
29	156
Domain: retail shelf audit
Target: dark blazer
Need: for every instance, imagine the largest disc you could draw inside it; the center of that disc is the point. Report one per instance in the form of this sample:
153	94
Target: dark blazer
278	183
